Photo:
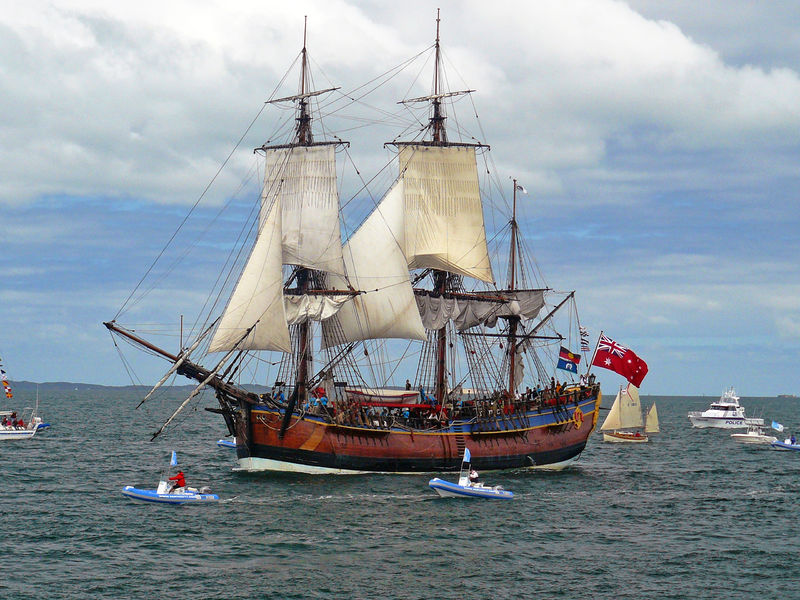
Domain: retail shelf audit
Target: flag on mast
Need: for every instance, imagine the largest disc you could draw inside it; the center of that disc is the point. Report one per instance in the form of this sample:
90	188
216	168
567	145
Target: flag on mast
584	339
568	361
615	357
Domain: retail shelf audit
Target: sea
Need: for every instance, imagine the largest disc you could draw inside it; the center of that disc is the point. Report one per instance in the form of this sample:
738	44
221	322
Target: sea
692	514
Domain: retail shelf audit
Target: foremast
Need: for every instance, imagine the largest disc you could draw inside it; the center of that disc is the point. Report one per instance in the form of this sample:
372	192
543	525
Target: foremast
439	277
303	276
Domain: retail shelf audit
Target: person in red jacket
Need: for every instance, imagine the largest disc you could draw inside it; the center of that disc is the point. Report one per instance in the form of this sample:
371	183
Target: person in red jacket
178	480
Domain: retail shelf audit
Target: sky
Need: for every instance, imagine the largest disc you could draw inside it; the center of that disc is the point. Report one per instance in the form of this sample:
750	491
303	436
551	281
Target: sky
658	142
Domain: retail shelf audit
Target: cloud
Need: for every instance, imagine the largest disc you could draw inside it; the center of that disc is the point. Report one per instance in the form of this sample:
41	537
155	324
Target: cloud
659	145
126	100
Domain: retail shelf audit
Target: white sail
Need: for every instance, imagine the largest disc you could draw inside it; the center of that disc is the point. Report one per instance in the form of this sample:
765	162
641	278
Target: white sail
613	421
258	297
303	180
443	211
630	409
377	266
651	421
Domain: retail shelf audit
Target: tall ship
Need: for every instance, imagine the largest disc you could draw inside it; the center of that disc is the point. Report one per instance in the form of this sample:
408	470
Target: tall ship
330	323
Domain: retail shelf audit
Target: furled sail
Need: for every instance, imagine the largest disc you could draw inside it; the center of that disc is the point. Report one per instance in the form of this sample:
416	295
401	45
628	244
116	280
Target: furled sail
469	312
376	265
258	297
305	307
303	180
443	211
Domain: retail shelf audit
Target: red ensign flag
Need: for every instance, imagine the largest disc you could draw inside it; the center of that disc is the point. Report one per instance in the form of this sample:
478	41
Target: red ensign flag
616	357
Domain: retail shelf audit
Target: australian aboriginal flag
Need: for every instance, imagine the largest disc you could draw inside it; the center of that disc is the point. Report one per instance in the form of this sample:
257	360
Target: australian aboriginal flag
568	361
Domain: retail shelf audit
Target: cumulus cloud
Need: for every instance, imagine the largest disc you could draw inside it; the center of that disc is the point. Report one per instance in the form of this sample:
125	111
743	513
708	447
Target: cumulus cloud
658	144
127	100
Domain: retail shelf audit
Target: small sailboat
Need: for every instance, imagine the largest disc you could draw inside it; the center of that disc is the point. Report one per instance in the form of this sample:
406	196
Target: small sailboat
624	422
466	488
167	493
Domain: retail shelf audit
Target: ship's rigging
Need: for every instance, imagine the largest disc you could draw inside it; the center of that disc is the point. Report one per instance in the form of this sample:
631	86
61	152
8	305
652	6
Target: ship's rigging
427	228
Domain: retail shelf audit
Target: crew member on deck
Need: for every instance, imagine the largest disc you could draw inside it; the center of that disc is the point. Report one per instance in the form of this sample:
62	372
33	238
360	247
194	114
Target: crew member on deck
473	476
179	481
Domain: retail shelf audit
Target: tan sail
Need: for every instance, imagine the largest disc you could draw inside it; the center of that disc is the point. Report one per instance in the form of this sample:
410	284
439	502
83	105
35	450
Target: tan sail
630	408
626	412
443	211
613	421
258	297
651	421
303	180
376	265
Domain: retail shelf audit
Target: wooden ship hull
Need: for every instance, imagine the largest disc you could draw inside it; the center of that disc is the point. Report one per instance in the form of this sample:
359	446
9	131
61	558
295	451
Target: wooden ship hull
549	437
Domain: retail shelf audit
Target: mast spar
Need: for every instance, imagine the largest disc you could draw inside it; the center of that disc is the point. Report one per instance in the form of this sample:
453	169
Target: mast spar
439	277
513	321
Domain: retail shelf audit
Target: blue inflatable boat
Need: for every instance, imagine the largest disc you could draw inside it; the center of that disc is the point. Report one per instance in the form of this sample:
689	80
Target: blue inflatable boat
165	493
179	496
787	445
446	489
466	488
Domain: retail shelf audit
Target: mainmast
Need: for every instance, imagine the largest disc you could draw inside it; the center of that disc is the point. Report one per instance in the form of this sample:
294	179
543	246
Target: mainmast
304	118
513	321
437	120
444	215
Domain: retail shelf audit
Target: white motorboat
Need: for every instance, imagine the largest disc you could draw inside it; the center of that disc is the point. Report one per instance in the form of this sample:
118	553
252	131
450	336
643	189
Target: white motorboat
725	413
755	435
12	428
